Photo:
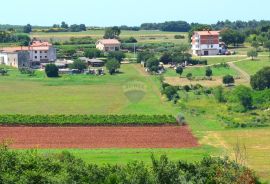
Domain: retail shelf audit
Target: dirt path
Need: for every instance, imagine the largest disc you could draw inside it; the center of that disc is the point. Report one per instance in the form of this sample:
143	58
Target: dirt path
243	73
99	137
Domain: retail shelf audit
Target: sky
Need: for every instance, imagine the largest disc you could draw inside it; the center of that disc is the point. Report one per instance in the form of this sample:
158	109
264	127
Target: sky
129	12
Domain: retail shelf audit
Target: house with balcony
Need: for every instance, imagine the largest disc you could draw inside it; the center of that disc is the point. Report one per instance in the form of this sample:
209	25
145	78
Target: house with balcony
207	43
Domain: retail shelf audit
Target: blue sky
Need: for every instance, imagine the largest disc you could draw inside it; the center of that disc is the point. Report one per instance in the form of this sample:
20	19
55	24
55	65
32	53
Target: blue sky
129	12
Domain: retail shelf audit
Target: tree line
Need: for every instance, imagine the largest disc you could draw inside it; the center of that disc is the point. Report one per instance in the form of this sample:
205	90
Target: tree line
31	167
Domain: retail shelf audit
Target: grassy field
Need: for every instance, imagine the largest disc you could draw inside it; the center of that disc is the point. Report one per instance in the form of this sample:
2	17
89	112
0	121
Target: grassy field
127	93
200	72
251	67
123	156
141	36
220	59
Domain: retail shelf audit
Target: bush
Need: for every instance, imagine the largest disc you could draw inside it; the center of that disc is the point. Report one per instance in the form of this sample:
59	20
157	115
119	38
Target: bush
129	40
79	65
118	55
89	120
180	118
27	71
92	53
51	70
171	93
228	80
179	36
3	71
261	80
31	167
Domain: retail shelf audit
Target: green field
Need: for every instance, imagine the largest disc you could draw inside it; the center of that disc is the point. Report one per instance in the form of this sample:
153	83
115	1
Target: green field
220	59
141	36
200	72
251	67
124	156
129	92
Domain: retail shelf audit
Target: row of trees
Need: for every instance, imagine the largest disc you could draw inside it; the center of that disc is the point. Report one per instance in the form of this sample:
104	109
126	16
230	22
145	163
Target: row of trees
173	26
8	37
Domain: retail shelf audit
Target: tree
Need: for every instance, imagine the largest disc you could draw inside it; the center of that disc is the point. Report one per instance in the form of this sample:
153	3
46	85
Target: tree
166	58
208	72
112	65
92	53
144	56
255	45
79	65
51	70
82	27
232	37
152	64
171	93
112	33
252	53
189	76
267	46
228	80
27	28
118	55
261	80
179	70
64	25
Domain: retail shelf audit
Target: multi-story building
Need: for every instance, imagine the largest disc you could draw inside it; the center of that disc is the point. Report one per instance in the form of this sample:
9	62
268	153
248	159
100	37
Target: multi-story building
39	52
206	43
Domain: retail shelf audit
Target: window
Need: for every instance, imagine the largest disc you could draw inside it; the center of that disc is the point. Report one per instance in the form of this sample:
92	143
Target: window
36	52
46	57
45	52
35	57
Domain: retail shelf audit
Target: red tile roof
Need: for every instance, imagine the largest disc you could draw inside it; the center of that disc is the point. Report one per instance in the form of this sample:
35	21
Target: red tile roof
36	46
109	42
207	33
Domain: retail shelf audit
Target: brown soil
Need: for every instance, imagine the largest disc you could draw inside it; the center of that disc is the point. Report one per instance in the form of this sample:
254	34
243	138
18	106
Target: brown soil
99	137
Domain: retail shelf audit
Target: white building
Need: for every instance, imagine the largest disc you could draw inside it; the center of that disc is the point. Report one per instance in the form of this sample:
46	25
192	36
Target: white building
39	52
206	43
108	45
15	59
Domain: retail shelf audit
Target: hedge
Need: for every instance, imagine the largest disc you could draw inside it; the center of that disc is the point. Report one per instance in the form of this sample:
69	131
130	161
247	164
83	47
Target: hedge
86	120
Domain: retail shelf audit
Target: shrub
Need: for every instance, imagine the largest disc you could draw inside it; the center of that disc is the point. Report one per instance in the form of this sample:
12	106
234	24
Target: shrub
31	167
27	71
180	118
78	64
3	71
92	53
261	80
51	70
179	36
228	80
89	120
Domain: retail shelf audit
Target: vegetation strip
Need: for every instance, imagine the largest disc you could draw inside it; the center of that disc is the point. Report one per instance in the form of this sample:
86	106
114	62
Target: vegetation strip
88	120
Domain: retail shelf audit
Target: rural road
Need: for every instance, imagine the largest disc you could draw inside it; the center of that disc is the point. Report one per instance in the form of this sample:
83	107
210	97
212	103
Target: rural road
244	74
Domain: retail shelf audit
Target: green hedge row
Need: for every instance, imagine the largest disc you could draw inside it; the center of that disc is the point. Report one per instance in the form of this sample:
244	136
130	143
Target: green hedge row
89	120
